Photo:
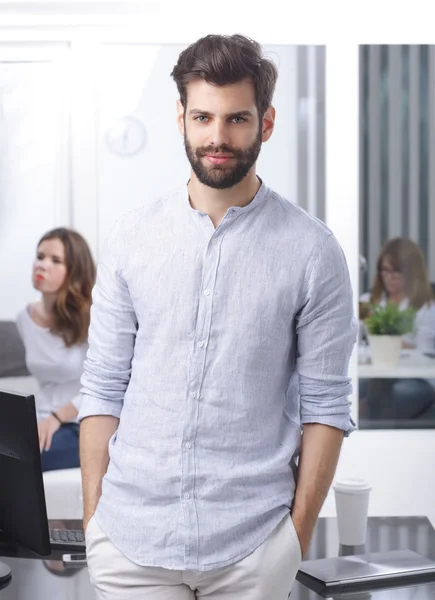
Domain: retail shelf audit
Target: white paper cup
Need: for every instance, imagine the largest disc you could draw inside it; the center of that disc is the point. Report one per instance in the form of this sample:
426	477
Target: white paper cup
352	504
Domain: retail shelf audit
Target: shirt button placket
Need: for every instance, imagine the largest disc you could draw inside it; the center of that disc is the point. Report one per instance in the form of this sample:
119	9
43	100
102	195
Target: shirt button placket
201	334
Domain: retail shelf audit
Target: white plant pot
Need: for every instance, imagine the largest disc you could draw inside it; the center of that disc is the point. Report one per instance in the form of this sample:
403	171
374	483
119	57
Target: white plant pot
385	349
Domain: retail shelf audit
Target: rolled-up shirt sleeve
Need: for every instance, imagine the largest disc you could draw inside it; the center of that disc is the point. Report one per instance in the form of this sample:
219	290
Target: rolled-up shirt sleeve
326	333
112	335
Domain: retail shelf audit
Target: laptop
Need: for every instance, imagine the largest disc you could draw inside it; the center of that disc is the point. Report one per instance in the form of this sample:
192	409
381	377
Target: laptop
344	574
23	512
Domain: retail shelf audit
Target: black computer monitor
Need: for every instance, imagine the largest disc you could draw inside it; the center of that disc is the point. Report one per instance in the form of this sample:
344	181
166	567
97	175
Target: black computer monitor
23	512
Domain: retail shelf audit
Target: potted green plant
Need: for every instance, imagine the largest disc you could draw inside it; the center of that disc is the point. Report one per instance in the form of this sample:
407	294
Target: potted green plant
385	326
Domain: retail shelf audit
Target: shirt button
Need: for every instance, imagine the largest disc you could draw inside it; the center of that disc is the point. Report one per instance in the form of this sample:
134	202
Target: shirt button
187	496
200	344
193	394
188	445
207	292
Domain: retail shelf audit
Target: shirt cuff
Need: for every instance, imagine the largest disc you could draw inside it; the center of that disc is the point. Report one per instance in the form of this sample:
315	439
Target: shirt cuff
93	407
348	425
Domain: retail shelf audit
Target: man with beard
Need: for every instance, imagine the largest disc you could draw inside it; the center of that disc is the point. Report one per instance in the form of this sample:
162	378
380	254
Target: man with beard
221	329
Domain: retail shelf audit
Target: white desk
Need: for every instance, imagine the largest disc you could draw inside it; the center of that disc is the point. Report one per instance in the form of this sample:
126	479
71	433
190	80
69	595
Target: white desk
412	365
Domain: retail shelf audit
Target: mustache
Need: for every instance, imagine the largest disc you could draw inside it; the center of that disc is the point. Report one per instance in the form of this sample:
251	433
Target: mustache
223	149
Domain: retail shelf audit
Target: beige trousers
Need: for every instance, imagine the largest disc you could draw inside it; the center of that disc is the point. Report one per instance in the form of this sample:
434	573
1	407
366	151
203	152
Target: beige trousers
266	574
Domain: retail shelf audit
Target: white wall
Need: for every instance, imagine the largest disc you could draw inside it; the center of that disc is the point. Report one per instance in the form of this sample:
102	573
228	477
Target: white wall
134	80
400	465
34	186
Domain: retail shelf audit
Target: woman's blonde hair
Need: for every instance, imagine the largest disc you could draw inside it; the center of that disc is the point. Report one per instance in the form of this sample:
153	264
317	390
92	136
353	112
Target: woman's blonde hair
72	308
407	258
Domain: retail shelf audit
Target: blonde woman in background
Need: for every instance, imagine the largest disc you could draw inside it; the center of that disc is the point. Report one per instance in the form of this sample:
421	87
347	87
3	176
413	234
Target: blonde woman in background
402	279
54	331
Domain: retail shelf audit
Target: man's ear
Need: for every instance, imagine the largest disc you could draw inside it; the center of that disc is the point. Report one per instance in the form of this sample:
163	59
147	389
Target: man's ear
180	117
268	123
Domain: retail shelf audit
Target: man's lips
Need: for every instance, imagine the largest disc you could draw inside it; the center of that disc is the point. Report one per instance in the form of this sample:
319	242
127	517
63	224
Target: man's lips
218	160
39	277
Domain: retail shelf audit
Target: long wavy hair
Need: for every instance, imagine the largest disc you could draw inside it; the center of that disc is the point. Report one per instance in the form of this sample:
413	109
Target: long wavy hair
71	311
407	258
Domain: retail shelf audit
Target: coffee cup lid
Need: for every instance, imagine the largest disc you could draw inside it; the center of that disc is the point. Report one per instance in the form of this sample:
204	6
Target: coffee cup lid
352	485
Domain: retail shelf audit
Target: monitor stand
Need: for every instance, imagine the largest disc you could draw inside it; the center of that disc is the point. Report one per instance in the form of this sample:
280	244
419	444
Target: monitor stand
5	575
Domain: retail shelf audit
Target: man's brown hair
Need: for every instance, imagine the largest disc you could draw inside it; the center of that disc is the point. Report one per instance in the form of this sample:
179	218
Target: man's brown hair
226	59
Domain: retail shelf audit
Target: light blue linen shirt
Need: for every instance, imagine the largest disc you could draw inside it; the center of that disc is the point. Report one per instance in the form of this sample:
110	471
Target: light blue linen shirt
213	347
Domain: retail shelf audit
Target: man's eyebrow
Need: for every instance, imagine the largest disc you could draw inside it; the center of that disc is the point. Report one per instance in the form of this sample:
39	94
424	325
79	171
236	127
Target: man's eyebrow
242	113
239	113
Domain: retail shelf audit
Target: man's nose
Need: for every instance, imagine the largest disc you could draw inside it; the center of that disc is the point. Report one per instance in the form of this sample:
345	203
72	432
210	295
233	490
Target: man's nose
219	133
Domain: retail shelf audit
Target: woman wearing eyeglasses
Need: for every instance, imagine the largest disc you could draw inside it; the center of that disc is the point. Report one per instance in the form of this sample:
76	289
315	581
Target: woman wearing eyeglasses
402	278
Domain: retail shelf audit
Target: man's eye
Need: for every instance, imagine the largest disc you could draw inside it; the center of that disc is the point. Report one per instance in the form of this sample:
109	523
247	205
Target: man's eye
201	118
239	119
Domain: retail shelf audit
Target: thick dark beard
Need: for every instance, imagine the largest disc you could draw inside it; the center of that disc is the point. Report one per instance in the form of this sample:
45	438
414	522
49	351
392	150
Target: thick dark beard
221	177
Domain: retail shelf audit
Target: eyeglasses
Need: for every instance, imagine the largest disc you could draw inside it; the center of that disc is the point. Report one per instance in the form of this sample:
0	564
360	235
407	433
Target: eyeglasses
391	272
